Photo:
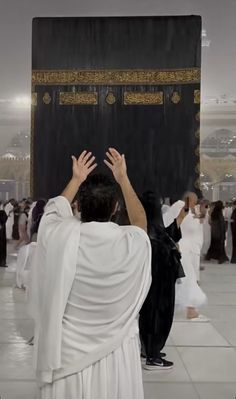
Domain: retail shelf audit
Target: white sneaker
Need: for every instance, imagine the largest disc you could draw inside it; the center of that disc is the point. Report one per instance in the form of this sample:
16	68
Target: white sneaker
200	319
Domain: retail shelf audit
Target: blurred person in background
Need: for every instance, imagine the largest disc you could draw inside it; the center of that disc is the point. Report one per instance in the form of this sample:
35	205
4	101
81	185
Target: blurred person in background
227	213
37	214
15	230
188	293
22	224
3	239
9	209
218	234
233	229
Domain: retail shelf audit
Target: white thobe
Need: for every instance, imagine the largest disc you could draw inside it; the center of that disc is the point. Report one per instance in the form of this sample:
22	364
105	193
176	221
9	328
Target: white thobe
170	213
23	264
188	293
29	221
10	220
93	281
228	242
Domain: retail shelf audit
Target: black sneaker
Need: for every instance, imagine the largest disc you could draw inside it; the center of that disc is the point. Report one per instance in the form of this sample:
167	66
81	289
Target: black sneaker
158	364
143	357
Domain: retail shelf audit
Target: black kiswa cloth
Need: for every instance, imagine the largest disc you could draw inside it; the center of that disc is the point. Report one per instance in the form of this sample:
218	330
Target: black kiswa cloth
156	315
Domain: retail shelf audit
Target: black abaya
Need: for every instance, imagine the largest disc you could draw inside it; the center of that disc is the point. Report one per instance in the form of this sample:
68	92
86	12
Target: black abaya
3	239
156	315
233	229
217	247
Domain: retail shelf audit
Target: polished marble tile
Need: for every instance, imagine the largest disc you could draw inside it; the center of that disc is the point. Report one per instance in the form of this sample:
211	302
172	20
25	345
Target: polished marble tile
227	329
222	298
196	334
210	364
220	312
12	294
16	362
17	390
178	373
12	310
216	287
16	330
216	390
169	391
169	341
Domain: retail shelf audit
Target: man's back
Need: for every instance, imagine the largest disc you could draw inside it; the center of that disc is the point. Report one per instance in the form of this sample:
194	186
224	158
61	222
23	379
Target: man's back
106	286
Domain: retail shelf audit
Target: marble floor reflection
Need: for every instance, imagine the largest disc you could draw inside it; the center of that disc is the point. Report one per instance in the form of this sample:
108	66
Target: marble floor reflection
204	354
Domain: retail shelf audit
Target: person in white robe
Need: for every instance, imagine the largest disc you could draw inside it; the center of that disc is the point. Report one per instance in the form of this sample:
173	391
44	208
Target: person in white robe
23	264
29	221
227	212
205	213
9	209
171	213
189	295
89	281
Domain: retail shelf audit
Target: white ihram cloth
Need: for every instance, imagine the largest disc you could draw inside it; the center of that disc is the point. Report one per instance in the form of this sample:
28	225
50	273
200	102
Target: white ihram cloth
29	221
10	220
170	213
89	282
188	292
24	263
206	234
228	243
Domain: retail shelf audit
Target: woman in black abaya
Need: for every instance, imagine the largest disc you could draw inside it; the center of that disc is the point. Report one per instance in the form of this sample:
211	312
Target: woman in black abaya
156	315
218	233
3	238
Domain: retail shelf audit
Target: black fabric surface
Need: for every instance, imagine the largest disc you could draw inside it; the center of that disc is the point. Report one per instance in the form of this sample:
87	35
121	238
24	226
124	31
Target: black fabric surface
217	246
3	238
156	315
233	228
159	140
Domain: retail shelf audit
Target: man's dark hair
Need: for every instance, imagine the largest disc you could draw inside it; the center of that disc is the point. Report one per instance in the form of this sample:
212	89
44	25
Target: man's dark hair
97	198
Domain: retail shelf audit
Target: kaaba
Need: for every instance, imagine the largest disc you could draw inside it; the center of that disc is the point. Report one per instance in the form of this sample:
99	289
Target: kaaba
128	82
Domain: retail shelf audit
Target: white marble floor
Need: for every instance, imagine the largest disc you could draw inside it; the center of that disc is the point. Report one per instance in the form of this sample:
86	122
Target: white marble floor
204	353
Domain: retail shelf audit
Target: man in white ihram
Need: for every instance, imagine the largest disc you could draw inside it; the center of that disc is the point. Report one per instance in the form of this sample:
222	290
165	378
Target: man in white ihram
90	280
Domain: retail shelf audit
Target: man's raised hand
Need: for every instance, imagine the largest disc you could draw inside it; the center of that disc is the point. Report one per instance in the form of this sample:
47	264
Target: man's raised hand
116	162
83	166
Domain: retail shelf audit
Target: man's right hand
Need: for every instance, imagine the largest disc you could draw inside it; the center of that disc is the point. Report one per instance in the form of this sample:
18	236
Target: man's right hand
83	166
117	164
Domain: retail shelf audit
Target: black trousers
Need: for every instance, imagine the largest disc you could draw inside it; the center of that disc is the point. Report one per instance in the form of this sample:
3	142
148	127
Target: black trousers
156	317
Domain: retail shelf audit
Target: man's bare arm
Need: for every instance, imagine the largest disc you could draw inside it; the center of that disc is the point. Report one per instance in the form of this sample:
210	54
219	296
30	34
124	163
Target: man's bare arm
135	210
82	167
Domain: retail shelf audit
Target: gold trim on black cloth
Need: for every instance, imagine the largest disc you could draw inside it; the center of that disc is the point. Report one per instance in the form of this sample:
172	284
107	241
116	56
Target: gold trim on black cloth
78	98
197	116
175	98
34	99
116	77
32	147
110	98
143	98
47	98
197	97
